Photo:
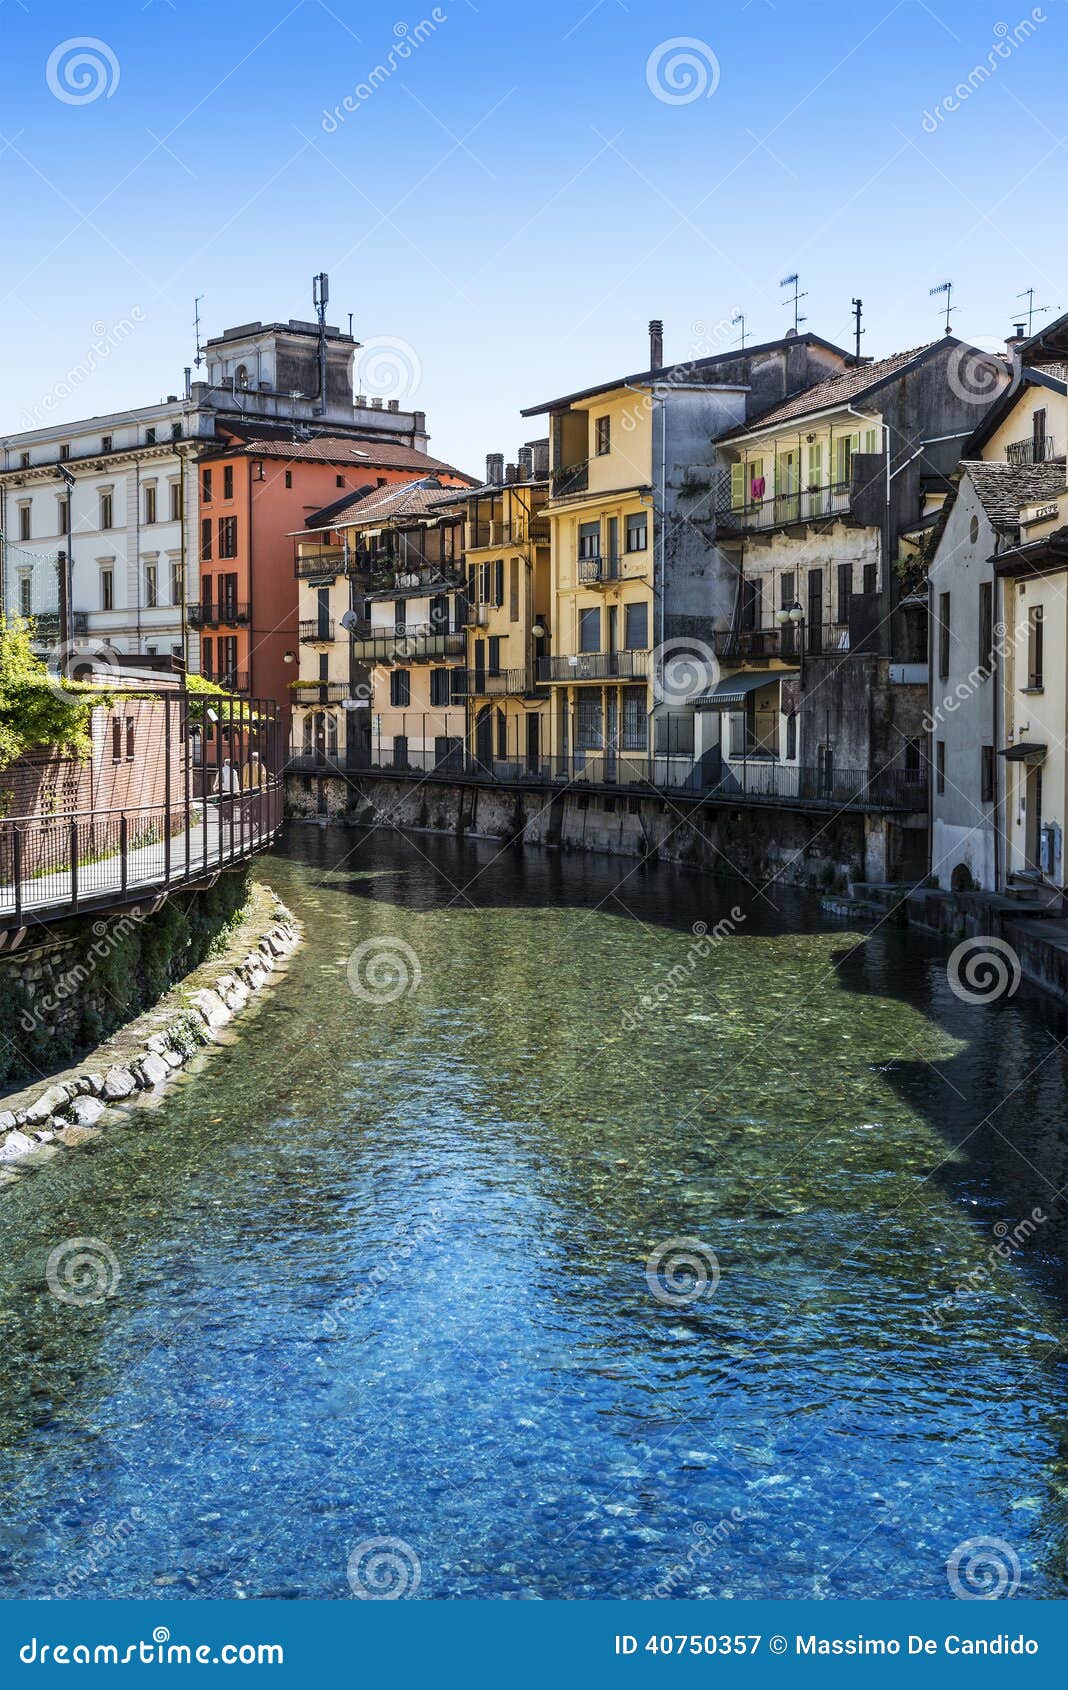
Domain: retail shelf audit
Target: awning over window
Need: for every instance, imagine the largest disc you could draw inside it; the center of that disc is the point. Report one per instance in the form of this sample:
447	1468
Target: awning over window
1028	751
732	692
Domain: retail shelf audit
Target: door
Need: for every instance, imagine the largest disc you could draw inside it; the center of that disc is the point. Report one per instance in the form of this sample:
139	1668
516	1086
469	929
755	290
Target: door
613	637
484	737
611	568
322	608
814	619
1033	819
533	742
480	666
611	732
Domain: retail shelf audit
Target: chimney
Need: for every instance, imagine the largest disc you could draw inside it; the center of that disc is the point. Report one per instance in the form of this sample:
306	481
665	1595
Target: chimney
656	344
540	449
494	468
525	462
511	473
393	405
1017	339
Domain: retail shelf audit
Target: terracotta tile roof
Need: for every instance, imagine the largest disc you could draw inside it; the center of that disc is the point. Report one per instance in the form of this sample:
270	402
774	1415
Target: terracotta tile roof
409	499
836	390
369	453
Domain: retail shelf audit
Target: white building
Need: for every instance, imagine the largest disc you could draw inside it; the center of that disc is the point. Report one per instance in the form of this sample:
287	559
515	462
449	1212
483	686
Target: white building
116	493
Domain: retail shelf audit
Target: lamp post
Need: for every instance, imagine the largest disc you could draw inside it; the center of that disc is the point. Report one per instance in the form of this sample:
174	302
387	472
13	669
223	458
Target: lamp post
794	617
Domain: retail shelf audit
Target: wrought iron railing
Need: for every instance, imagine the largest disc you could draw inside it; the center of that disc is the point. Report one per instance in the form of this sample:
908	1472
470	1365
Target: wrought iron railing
227	614
595	666
1033	449
318	631
810	504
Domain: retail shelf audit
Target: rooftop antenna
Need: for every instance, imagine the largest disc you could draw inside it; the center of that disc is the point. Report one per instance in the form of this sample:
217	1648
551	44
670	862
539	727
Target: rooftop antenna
739	317
947	289
858	312
320	295
793	281
199	359
1029	295
350	325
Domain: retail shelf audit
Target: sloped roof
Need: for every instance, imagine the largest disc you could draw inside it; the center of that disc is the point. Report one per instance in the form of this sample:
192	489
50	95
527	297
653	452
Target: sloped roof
1006	403
1003	489
839	389
362	452
408	499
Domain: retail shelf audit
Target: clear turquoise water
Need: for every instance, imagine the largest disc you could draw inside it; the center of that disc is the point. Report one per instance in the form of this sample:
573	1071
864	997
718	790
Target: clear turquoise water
384	1264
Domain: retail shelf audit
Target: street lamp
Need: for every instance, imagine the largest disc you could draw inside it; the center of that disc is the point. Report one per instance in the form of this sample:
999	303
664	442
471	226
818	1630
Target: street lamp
794	616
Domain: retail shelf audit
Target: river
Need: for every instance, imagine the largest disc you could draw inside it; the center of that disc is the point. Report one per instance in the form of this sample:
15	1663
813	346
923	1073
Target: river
592	1249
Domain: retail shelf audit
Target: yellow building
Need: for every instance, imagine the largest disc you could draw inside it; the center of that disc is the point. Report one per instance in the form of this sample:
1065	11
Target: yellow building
509	615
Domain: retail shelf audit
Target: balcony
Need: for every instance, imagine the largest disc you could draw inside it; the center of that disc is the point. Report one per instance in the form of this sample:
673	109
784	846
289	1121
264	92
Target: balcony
318	631
229	614
1035	449
46	629
321	692
504	683
573	478
780	510
231	680
488	536
411	644
821	639
595	666
321	561
598	571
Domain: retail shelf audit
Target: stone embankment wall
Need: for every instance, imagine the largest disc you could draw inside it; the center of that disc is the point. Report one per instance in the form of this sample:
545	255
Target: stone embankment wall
77	1105
69	985
817	851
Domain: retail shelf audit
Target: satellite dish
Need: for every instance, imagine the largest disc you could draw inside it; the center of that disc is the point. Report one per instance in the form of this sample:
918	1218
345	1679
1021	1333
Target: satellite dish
349	621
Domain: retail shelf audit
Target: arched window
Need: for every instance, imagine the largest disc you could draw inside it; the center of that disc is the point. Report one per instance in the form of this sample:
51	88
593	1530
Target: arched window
241	376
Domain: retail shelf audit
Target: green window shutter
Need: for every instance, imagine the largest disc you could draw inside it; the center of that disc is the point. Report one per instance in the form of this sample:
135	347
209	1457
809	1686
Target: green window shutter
871	439
737	486
815	464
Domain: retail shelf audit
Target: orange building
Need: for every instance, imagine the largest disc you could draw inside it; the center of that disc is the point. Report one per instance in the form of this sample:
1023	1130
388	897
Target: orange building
255	489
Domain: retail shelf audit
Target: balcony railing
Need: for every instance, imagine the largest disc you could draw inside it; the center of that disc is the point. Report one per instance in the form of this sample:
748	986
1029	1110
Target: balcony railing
228	614
595	666
778	510
318	631
820	640
46	628
594	570
505	683
320	560
573	478
322	692
233	680
421	643
1034	449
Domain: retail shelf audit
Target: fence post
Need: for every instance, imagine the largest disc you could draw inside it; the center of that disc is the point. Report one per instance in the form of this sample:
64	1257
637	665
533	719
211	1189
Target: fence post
124	866
167	792
16	870
73	848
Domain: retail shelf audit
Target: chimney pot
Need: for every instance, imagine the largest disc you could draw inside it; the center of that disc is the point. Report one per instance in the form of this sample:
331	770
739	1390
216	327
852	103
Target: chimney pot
525	462
656	344
495	468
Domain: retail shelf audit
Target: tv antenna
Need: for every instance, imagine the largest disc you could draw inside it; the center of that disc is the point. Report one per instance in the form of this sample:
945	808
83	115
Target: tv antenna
793	281
947	289
858	311
320	296
739	317
199	359
1029	295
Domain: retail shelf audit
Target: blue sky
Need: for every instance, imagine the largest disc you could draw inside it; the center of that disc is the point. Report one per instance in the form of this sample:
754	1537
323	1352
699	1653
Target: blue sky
506	208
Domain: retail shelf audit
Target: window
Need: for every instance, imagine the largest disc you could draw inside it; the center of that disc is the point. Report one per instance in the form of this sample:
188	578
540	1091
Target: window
845	592
590	630
502	735
24	460
289	478
24	522
107	510
913	758
439	613
498	582
589	539
150	502
130	739
791	736
63	514
636	626
943	635
228	481
105	442
940	765
176	431
25	595
674	735
973	530
150	437
400	688
64	451
1034	646
588	734
494	644
340	480
986	626
176	501
870	577
107	589
151	585
637	532
752	610
207	655
787	590
175	596
635	731
986	773
603	435
457	684
205	539
400	613
228	536
116	740
205	487
440	690
513	590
